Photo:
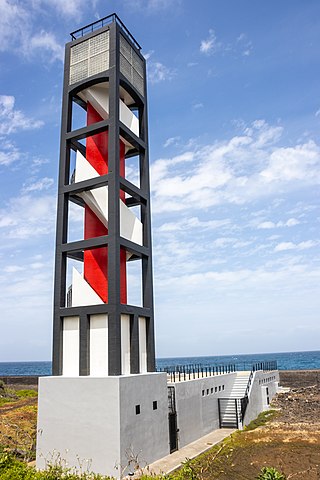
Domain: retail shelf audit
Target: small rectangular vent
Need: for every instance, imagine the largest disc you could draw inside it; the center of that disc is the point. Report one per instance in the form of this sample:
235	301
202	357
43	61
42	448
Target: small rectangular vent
131	65
89	57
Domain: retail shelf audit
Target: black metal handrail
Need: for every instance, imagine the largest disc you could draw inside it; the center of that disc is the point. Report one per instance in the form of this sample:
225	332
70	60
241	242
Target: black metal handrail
91	27
179	373
265	366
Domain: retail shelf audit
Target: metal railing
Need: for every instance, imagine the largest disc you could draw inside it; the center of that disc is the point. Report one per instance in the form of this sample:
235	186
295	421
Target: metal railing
234	418
180	373
266	365
91	27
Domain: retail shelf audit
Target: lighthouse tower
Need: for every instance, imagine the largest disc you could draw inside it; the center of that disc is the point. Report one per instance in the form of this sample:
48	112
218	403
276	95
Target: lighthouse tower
104	404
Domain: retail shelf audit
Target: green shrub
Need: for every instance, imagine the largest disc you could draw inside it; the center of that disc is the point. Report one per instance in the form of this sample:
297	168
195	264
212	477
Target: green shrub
261	419
26	393
270	473
12	469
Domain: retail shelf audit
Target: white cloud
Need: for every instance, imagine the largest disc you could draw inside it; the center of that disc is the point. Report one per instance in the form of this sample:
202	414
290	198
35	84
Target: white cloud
41	184
152	6
210	44
283	246
27	216
69	8
19	32
9	153
148	54
171	141
42	43
240	46
12	19
12	120
244	44
268	224
297	163
243	169
13	269
198	105
192	223
157	72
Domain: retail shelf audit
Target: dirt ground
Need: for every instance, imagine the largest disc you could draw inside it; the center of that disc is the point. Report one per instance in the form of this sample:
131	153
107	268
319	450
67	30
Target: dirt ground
290	441
18	418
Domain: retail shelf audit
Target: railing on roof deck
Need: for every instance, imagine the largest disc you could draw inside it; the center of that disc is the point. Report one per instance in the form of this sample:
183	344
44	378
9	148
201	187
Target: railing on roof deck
91	27
178	373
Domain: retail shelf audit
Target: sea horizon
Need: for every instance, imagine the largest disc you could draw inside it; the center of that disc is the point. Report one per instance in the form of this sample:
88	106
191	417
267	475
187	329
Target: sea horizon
299	360
188	356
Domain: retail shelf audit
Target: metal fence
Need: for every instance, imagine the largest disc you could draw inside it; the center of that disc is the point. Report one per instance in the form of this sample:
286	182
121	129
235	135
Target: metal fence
178	373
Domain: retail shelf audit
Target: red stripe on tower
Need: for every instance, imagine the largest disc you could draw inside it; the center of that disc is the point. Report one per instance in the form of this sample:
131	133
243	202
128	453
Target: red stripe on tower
96	260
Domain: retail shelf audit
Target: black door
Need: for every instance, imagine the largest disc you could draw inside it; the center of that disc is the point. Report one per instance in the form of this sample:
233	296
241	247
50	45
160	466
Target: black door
173	432
172	416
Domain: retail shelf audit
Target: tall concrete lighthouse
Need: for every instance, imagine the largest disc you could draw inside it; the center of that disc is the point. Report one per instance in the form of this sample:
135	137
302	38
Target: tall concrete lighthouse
104	402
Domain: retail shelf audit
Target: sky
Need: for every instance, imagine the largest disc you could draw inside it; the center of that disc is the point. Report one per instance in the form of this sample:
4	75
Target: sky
234	119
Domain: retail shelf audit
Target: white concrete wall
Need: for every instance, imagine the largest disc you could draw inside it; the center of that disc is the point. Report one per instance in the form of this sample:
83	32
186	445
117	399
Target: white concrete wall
145	434
98	345
70	341
142	344
79	418
94	419
197	414
257	395
125	344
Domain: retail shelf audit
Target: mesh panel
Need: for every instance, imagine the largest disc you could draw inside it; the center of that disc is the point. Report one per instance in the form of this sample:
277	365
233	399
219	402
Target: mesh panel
138	82
137	63
89	57
78	72
99	44
79	52
125	48
131	65
98	63
125	67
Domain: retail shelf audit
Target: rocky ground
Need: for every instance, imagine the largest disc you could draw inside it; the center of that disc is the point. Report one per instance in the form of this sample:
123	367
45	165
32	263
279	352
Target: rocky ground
289	440
288	437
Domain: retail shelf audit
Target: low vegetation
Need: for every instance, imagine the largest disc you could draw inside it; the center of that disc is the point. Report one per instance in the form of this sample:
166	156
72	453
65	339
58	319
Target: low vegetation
281	444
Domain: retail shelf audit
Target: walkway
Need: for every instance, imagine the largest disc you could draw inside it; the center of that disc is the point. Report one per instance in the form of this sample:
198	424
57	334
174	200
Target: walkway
174	460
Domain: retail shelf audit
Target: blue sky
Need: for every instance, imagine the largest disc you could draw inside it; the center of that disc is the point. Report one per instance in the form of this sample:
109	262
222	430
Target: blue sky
234	118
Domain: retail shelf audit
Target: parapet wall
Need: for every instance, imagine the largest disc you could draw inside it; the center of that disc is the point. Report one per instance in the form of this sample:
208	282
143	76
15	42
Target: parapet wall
197	406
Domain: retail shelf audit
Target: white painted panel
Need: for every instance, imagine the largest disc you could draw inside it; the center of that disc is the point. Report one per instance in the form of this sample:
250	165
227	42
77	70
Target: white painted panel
129	118
99	345
125	344
97	201
98	96
82	293
70	339
130	225
84	170
142	344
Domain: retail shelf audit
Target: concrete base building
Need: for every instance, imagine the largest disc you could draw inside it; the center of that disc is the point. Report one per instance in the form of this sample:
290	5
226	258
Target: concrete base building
106	407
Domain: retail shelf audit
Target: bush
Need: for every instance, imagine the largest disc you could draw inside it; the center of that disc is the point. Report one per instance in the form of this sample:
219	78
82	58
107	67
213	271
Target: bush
26	393
270	473
12	469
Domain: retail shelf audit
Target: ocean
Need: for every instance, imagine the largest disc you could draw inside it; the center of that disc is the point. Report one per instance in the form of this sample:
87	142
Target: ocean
286	361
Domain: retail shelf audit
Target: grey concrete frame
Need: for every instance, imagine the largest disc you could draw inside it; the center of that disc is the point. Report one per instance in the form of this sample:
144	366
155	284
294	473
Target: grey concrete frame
138	196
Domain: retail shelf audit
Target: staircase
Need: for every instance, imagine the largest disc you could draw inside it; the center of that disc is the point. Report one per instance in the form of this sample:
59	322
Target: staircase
239	387
232	407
